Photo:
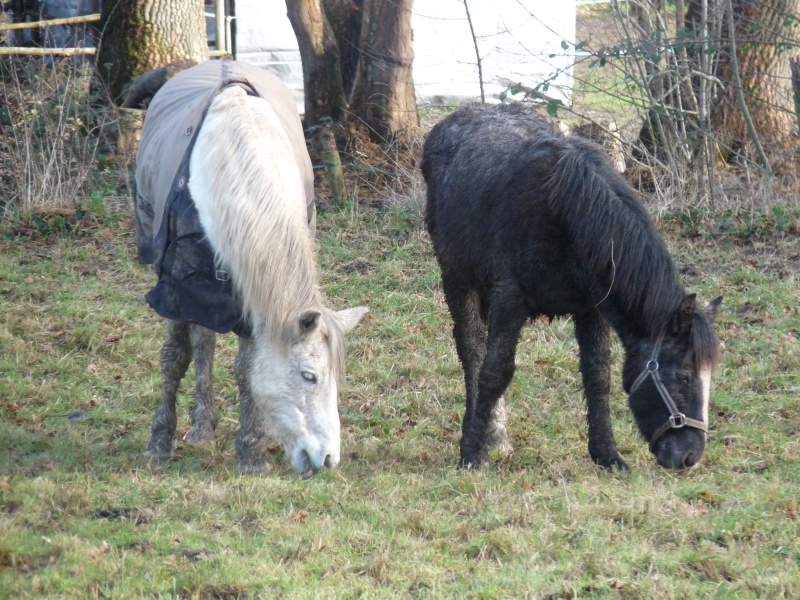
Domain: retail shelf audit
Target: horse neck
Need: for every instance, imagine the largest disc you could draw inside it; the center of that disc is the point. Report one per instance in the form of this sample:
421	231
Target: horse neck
275	275
636	276
641	321
250	194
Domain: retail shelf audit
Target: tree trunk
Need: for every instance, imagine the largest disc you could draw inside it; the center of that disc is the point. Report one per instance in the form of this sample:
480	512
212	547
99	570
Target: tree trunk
763	38
140	35
345	18
319	51
383	93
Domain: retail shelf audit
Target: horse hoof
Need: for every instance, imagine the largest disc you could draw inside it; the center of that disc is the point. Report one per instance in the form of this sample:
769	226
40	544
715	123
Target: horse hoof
158	458
200	437
501	445
470	463
613	463
263	468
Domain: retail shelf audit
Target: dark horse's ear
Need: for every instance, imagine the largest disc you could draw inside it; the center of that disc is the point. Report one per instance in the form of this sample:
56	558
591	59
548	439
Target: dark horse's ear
682	322
711	309
308	322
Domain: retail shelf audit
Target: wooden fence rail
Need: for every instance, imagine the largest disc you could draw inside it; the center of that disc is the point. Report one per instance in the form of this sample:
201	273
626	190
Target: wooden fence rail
50	23
23	51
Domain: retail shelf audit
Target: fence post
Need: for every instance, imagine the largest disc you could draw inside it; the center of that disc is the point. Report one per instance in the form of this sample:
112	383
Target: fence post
219	25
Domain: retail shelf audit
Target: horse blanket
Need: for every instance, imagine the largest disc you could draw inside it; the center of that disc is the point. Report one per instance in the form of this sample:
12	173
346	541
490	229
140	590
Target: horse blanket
169	236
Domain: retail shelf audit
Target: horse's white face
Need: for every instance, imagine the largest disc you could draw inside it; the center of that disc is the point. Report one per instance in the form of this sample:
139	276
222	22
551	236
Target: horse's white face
297	392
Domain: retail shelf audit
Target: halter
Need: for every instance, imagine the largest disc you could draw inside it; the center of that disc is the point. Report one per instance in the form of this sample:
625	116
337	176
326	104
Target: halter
677	419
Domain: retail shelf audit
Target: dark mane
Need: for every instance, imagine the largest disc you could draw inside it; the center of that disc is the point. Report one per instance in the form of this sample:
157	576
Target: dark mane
609	226
525	222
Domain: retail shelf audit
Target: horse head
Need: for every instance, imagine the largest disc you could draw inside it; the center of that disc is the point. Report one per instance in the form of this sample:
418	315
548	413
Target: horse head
296	385
669	384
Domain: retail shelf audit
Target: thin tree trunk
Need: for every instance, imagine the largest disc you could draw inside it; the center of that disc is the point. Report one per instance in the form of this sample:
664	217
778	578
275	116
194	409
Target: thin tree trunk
345	19
383	94
740	99
319	51
794	64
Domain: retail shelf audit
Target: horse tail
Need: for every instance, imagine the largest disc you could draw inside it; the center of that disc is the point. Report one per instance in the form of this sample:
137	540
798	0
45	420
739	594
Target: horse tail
249	194
613	232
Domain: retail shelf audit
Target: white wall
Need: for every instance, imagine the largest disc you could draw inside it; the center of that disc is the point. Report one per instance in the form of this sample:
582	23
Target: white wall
514	46
265	38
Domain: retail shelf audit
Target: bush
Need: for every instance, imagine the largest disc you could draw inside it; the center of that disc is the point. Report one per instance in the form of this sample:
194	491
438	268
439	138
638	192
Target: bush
57	136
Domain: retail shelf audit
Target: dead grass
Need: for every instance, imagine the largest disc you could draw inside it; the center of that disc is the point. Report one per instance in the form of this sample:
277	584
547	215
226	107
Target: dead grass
56	139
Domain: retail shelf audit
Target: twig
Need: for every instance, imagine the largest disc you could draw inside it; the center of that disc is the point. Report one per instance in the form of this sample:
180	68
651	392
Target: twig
613	276
737	82
477	52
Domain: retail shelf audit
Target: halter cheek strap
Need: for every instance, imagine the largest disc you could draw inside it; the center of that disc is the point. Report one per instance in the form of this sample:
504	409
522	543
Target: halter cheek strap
676	419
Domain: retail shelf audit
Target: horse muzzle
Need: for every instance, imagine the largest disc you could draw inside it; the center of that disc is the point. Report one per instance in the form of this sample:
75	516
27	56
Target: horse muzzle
308	461
680	449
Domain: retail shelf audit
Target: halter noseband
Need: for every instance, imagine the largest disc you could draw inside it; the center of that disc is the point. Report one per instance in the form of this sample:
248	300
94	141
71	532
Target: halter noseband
676	419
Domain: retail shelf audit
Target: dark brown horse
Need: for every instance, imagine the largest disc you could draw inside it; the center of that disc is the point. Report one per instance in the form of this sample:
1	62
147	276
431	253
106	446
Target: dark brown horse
526	221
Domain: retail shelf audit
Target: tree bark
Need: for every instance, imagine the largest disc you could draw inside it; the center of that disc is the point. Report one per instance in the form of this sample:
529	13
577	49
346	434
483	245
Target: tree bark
383	93
763	37
345	18
319	51
141	35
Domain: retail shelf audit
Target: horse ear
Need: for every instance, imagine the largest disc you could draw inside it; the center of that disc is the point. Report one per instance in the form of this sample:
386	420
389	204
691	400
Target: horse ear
711	309
351	317
682	322
308	322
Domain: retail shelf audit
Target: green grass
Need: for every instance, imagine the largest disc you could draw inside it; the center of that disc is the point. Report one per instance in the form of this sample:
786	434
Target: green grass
396	519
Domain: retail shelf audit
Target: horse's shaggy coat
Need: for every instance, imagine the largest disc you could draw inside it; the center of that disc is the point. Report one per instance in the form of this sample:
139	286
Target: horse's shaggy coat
525	222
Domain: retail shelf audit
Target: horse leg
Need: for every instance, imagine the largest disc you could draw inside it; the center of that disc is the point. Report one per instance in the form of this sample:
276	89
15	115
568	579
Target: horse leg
204	417
592	334
469	332
506	317
251	439
497	432
176	354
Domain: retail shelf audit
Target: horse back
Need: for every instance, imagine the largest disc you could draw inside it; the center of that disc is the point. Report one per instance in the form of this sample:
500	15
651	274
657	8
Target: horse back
512	202
487	208
169	231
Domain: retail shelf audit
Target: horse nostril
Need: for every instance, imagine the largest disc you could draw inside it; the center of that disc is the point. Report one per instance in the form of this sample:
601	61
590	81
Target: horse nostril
327	463
689	460
304	465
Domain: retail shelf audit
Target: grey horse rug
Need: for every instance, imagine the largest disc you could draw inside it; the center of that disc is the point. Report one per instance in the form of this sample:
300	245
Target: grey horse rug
169	236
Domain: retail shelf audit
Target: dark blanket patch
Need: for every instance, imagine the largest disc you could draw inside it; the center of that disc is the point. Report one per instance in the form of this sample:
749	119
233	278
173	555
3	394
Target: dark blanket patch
190	286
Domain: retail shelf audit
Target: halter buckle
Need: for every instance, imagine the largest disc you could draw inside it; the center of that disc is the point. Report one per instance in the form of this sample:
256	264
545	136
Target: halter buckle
677	420
652	365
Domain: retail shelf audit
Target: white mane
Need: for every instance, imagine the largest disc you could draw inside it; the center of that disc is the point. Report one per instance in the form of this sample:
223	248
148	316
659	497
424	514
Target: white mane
250	197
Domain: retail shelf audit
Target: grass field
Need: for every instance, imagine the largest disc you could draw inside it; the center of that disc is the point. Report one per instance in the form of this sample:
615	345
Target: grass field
84	515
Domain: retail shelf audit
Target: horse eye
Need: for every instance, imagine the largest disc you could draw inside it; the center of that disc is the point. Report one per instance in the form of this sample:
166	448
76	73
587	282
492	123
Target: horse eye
682	377
309	377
